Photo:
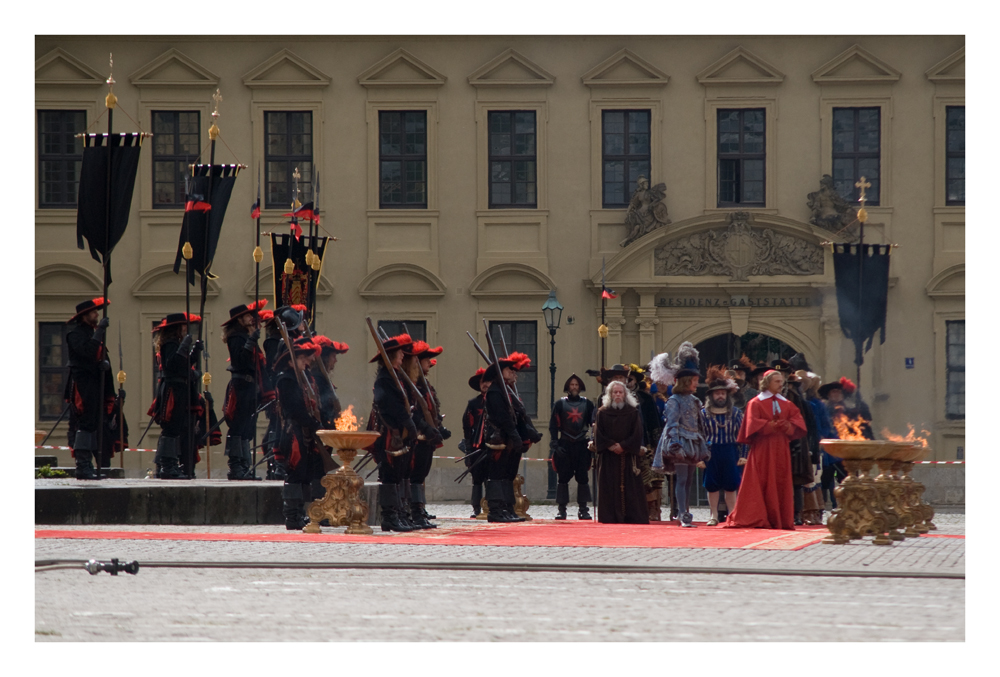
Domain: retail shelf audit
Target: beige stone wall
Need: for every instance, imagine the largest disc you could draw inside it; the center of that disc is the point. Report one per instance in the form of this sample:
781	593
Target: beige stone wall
458	262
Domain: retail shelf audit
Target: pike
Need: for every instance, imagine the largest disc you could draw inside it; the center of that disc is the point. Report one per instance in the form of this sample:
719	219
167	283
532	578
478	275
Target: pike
427	389
506	352
121	398
495	361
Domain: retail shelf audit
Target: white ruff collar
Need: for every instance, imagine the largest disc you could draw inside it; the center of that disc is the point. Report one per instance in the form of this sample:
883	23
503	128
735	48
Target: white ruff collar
766	395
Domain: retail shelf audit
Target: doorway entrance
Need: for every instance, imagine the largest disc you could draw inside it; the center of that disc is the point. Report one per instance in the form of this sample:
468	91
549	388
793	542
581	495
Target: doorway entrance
724	348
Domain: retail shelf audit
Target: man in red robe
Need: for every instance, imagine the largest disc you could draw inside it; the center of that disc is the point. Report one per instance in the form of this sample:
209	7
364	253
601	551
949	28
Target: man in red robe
771	421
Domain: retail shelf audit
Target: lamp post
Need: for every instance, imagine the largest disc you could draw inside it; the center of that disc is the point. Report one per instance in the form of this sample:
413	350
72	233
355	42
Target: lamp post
552	310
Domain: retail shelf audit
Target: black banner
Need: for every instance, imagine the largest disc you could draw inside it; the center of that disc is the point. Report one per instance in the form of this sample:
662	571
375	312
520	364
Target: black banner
92	207
201	214
299	286
862	310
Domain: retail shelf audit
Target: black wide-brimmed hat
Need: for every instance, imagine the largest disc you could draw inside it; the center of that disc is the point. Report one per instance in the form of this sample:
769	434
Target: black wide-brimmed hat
736	365
687	361
241	310
783	366
843	384
514	361
578	380
428	351
393	343
87	306
759	369
616	370
330	346
179	318
476	378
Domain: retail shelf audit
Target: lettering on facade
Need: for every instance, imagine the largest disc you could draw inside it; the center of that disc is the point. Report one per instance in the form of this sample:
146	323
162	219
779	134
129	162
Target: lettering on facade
735	302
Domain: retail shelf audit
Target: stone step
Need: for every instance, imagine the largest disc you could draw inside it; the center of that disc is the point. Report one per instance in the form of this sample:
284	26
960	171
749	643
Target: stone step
110	473
46	460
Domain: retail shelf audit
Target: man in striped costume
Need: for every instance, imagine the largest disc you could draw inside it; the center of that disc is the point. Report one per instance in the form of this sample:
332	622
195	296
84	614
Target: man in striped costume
724	469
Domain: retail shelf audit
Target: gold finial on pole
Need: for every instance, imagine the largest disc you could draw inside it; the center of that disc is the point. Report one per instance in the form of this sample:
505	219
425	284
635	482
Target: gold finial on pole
289	266
213	131
258	254
863	185
110	100
186	251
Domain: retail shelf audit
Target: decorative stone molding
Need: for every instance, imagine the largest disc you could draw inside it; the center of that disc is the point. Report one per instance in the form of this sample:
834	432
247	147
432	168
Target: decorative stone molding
647	210
511	69
173	69
740	67
401	69
625	68
286	69
949	70
61	69
855	66
829	209
739	251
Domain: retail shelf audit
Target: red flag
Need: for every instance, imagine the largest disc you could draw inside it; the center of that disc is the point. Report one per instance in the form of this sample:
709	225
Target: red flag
608	293
197	206
296	228
255	210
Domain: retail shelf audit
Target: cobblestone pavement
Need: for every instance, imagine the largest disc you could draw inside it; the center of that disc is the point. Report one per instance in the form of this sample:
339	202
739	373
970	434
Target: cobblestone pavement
219	604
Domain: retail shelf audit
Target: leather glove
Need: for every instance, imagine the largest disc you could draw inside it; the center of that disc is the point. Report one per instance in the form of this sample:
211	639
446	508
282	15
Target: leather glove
104	365
185	347
121	394
101	326
445	433
209	398
536	437
199	345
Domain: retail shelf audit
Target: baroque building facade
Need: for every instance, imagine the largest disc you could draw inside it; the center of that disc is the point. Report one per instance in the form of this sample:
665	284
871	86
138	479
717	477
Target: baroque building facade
466	177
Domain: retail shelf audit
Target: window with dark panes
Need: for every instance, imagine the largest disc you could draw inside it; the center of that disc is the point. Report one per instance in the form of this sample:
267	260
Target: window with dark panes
60	156
521	337
512	159
955	149
175	146
287	147
625	155
955	369
418	328
857	140
402	159
741	157
53	368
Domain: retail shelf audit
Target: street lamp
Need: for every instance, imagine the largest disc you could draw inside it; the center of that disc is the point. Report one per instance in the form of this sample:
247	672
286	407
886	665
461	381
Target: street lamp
552	310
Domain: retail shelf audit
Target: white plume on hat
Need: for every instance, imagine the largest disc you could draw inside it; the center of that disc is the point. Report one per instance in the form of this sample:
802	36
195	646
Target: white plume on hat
661	371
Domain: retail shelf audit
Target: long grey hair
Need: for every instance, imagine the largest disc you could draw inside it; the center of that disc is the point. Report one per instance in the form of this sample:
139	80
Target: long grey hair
630	400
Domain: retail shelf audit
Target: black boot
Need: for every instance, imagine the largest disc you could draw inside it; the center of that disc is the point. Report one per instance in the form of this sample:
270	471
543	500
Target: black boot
84	445
494	499
293	507
167	458
508	501
477	499
388	501
417	513
234	451
583	497
562	498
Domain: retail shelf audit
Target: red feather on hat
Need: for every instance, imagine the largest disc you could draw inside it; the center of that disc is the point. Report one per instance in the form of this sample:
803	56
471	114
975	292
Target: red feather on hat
519	360
419	347
480	371
266	315
847	385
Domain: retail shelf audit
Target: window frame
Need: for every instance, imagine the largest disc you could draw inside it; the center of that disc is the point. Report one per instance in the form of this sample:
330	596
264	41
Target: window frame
403	158
294	161
43	370
512	346
949	154
949	369
179	188
857	155
625	157
511	158
740	157
57	157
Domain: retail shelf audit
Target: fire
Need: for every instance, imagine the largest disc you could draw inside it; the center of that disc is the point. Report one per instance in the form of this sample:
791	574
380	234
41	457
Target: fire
848	429
910	436
348	421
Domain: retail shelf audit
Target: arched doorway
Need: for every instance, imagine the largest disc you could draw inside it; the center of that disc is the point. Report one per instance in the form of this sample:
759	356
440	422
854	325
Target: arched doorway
723	348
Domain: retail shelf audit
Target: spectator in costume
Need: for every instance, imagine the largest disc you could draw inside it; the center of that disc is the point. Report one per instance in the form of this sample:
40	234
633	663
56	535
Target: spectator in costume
723	419
770	422
652	427
618	442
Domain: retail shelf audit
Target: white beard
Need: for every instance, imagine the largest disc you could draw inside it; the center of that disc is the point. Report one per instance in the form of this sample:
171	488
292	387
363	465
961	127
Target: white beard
618	405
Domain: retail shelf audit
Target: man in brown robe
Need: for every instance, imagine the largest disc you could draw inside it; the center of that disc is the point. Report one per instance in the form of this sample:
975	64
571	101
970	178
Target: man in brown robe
618	432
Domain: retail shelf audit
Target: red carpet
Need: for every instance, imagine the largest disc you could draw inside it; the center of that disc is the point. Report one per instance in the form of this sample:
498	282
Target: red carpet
535	533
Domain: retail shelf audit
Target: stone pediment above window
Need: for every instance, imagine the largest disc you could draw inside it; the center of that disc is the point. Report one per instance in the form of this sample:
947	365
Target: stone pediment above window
511	280
949	70
173	69
401	69
625	68
511	69
740	67
286	69
67	280
60	68
949	282
162	281
401	279
856	66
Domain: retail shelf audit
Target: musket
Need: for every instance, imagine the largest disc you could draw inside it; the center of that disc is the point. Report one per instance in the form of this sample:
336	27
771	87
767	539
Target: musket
365	460
482	352
312	402
494	361
148	426
503	342
469	469
427	389
121	400
326	374
387	363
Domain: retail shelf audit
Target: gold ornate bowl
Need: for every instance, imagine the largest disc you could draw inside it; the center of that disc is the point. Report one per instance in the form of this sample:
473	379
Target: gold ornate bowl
907	452
347	439
854	450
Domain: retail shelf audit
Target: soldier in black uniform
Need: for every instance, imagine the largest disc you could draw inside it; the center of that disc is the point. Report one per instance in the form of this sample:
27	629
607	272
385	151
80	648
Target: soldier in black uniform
509	433
651	428
88	364
298	447
472	427
568	427
246	364
429	436
178	404
391	417
292	317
